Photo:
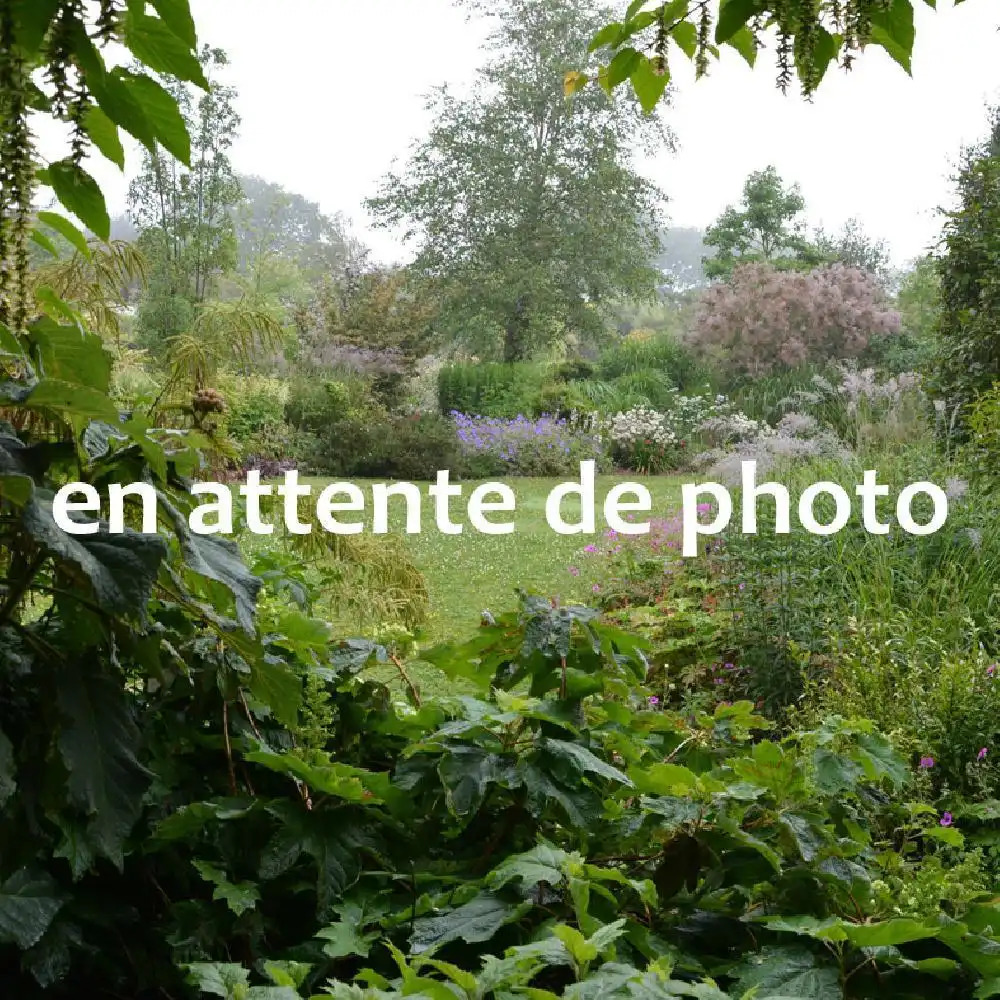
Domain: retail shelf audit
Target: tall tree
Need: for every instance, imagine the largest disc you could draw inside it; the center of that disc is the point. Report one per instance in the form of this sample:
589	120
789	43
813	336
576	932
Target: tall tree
969	360
273	223
184	213
526	206
766	227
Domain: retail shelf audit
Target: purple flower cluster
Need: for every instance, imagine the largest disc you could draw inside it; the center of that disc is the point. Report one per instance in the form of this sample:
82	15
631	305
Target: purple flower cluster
522	446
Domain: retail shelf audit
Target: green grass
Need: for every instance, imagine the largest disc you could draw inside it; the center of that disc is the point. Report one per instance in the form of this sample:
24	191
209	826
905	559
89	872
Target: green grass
472	572
469	573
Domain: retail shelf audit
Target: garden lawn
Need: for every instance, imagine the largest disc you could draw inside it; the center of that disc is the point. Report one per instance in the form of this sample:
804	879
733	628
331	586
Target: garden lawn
470	573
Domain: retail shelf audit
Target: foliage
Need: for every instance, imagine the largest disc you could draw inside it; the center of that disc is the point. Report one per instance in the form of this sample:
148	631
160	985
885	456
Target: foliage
489	389
918	303
762	318
808	39
526	209
853	247
968	361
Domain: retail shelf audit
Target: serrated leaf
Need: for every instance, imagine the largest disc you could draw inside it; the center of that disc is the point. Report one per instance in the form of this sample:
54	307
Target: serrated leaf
104	134
782	972
543	863
98	745
893	30
218	979
584	761
162	117
155	45
238	896
120	569
347	936
733	15
649	83
474	922
80	194
28	903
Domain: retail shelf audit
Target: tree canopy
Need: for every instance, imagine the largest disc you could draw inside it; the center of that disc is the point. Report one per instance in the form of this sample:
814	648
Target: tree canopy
526	207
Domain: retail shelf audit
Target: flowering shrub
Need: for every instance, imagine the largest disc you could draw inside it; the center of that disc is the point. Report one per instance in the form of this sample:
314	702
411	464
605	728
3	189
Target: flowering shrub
643	439
762	319
546	446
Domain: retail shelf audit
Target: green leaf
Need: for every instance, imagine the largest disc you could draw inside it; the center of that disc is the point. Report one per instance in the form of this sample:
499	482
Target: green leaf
330	777
160	112
31	20
663	779
155	45
543	863
347	936
584	761
893	30
28	903
80	194
733	16
176	15
474	922
621	67
44	242
16	489
780	973
219	559
649	84
685	34
71	401
68	354
67	230
238	896
104	134
608	35
743	41
98	745
279	687
119	568
218	979
900	930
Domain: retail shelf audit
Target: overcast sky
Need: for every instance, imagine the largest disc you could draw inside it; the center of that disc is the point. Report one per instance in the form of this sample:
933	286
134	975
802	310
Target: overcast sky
331	92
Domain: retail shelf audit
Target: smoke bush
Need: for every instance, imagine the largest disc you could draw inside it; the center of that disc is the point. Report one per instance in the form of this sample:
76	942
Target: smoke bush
762	319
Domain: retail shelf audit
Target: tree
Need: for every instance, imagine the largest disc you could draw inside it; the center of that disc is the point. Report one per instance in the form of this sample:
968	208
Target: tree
969	358
528	213
184	214
766	227
810	37
763	318
853	247
275	224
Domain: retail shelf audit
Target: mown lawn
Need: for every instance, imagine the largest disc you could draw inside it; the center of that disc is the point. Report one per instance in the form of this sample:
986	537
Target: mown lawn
472	572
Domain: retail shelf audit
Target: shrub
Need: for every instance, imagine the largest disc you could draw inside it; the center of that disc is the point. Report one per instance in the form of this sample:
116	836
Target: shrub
489	389
763	319
645	351
255	405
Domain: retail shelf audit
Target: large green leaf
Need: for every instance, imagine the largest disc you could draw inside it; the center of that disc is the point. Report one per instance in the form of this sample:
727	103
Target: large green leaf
104	134
176	15
543	863
80	194
66	229
474	922
217	559
99	743
161	114
120	568
782	973
72	401
28	903
893	29
585	761
155	45
68	354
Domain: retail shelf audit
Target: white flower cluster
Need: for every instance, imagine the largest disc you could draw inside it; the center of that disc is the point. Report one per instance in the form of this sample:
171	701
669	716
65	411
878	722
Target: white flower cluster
730	428
639	424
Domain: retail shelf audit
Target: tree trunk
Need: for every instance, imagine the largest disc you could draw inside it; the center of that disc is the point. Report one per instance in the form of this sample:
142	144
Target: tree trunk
515	339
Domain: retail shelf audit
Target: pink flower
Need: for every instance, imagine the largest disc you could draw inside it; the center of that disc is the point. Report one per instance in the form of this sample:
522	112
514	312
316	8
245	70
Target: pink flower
573	571
590	548
611	533
926	762
654	700
596	589
946	819
982	754
991	670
